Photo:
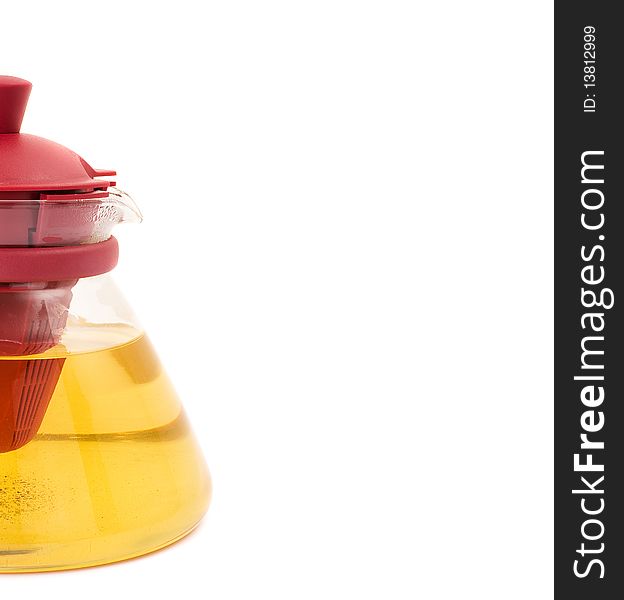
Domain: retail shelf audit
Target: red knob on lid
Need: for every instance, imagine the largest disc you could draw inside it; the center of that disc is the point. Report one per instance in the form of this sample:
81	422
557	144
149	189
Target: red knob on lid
14	93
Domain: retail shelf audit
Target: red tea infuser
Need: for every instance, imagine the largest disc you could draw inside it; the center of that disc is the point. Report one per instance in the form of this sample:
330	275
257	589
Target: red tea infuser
56	215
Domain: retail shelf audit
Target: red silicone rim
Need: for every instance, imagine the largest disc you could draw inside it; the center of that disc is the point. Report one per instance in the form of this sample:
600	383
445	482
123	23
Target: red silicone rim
21	265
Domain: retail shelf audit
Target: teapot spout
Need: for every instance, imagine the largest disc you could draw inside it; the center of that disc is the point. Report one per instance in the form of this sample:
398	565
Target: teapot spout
123	206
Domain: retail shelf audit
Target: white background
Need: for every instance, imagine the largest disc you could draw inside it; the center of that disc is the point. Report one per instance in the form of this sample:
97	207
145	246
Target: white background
346	266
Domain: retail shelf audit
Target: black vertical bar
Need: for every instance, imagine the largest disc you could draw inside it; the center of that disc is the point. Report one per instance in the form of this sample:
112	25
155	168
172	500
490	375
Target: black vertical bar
589	119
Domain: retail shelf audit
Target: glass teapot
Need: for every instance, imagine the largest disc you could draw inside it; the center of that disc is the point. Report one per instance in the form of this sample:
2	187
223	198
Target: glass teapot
97	460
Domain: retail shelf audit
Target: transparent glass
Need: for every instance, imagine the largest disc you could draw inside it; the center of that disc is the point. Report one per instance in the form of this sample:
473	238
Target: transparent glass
111	470
63	218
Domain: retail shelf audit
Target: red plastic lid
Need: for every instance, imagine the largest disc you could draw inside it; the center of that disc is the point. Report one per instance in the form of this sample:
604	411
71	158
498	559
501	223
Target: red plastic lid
29	163
50	222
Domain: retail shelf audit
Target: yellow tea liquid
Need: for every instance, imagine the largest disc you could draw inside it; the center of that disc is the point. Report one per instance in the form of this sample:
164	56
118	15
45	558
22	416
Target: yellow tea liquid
114	470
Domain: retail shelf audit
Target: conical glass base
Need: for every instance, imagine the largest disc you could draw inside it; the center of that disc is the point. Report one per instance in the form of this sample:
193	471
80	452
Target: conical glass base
114	470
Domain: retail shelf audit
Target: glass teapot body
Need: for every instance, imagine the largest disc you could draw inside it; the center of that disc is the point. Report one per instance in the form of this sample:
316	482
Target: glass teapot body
106	465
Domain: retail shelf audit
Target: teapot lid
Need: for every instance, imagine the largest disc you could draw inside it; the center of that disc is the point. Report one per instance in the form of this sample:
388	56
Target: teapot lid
29	163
